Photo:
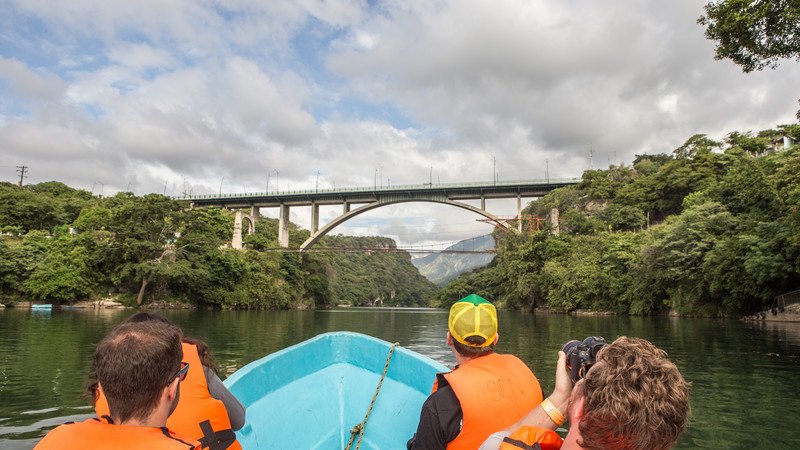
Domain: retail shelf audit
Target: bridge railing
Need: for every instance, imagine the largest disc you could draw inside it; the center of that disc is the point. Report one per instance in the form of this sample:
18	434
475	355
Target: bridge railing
379	188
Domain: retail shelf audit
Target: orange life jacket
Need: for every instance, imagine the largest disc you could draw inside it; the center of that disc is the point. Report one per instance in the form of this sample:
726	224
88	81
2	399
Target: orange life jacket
96	434
527	438
197	415
494	391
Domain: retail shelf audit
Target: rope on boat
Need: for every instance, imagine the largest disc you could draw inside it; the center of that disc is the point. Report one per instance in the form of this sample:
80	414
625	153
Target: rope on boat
359	429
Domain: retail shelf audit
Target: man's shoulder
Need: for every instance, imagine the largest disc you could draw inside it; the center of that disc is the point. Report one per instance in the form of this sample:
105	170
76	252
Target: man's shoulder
495	359
95	434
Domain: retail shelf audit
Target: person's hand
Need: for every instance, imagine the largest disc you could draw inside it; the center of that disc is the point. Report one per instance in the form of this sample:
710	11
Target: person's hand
563	387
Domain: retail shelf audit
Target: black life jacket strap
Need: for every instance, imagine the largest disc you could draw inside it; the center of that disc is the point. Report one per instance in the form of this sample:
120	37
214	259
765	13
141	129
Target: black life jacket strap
216	440
521	444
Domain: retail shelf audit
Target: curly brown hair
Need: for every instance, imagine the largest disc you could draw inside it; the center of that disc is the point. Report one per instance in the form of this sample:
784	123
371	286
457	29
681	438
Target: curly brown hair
634	398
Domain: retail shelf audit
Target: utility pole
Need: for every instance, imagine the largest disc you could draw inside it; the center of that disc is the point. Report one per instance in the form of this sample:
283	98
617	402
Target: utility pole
21	170
277	180
220	186
547	170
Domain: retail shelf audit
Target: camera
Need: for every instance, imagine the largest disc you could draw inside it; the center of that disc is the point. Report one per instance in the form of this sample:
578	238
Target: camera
581	356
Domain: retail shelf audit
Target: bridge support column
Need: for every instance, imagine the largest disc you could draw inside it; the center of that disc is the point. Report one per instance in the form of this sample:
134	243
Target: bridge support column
554	220
346	207
283	226
236	242
314	217
519	213
255	212
483	202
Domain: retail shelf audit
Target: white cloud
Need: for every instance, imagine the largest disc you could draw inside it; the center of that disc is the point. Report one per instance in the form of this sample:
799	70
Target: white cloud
150	95
26	84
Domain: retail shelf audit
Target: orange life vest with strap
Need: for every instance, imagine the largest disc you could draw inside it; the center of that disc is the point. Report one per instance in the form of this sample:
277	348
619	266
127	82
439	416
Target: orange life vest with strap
97	434
494	391
532	438
197	415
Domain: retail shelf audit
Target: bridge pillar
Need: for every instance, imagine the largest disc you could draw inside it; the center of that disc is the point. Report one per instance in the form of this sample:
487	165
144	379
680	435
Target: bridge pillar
283	226
345	207
236	242
483	202
519	213
255	212
554	220
314	217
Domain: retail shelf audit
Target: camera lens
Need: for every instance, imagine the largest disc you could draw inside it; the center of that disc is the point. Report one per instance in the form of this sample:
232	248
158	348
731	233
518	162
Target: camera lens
571	349
570	346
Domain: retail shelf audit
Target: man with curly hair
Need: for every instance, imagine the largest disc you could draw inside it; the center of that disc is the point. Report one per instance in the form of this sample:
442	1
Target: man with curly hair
633	398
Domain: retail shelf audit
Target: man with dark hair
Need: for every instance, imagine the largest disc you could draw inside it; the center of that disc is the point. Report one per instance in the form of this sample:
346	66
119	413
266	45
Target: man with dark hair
207	411
139	369
633	398
485	392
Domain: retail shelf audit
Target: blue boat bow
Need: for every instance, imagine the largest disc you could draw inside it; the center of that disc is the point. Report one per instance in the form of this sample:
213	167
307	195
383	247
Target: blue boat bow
311	395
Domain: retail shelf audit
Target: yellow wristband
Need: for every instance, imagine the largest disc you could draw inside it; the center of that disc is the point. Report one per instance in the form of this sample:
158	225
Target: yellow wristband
551	410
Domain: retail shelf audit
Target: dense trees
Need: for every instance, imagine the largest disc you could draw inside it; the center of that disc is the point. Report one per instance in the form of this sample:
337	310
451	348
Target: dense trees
754	34
712	228
60	244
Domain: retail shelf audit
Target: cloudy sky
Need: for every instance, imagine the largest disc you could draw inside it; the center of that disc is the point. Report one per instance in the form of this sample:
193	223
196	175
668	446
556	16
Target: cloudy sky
202	96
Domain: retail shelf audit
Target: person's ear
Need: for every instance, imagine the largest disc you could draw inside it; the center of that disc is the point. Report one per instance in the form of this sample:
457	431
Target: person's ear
171	391
449	339
496	338
576	410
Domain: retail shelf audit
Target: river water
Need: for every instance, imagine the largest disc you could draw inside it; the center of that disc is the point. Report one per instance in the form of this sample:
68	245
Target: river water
744	375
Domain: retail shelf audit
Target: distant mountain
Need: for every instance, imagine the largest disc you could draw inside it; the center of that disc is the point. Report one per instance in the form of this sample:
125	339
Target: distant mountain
440	268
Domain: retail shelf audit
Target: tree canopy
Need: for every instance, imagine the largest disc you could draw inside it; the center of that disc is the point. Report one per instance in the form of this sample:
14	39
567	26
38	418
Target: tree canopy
710	229
61	244
754	34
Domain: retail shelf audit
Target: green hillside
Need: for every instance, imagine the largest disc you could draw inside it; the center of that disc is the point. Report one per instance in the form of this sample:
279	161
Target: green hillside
713	228
61	245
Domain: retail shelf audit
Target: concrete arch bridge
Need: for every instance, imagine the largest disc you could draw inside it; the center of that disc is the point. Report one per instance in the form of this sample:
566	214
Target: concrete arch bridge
356	201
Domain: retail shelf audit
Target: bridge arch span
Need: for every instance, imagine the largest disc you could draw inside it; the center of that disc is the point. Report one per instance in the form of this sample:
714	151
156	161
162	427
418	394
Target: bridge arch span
386	202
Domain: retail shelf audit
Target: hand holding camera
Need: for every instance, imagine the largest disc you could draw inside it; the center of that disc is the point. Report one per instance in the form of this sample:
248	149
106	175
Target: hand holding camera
581	355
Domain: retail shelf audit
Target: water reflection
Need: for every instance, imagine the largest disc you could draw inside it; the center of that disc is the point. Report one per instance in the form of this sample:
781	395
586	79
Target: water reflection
742	374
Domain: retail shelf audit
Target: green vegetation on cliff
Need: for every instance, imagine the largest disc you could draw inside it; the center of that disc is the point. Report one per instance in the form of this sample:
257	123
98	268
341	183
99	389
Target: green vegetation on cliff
62	244
712	228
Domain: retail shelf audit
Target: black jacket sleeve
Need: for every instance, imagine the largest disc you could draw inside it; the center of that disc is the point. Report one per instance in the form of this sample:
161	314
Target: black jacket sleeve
439	421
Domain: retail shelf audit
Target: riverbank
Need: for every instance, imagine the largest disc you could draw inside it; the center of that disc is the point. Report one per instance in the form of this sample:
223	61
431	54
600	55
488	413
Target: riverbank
791	313
96	304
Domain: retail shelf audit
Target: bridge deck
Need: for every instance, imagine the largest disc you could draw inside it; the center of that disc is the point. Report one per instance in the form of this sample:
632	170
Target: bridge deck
467	191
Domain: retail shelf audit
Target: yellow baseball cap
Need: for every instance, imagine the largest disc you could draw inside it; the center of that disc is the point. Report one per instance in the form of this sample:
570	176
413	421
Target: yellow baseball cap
473	315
